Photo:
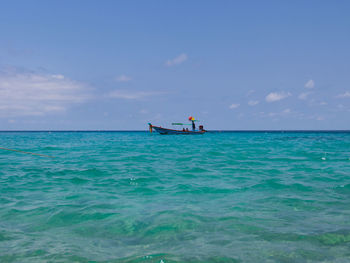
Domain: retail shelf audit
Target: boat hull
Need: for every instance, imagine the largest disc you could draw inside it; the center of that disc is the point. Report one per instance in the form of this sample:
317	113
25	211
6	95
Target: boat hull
165	131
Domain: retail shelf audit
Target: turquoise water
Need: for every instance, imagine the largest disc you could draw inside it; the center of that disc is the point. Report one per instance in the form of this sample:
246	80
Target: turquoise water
140	197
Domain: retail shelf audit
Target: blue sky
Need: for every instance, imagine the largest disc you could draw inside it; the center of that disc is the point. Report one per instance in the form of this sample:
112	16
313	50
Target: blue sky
117	65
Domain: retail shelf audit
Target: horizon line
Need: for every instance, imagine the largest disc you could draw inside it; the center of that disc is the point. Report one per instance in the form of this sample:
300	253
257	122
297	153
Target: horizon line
224	130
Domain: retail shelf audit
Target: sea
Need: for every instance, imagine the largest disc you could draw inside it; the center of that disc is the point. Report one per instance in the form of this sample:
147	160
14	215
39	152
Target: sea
141	197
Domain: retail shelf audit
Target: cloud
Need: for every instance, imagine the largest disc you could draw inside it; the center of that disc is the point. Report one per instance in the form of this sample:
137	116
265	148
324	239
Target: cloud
234	106
310	84
58	76
123	78
273	114
250	92
303	95
284	113
24	93
253	102
344	95
276	96
176	61
132	95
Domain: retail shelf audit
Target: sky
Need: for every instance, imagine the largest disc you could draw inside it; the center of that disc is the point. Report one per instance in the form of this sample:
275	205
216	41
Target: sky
117	65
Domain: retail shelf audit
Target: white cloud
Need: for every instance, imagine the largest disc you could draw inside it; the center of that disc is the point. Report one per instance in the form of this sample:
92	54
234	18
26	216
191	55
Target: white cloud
303	95
276	96
234	106
284	113
310	84
344	95
250	92
176	61
58	76
123	78
27	93
132	95
253	102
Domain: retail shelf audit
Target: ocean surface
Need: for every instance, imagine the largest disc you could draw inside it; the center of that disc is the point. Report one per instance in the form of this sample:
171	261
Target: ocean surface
140	197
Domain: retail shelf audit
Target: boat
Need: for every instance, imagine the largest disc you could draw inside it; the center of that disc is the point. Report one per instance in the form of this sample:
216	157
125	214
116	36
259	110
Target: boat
184	131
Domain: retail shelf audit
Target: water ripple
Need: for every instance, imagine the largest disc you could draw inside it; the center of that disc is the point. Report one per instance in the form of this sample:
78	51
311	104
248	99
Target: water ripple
136	197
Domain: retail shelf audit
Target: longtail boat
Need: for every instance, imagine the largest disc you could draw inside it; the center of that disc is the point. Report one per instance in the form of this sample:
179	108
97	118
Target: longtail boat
184	131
